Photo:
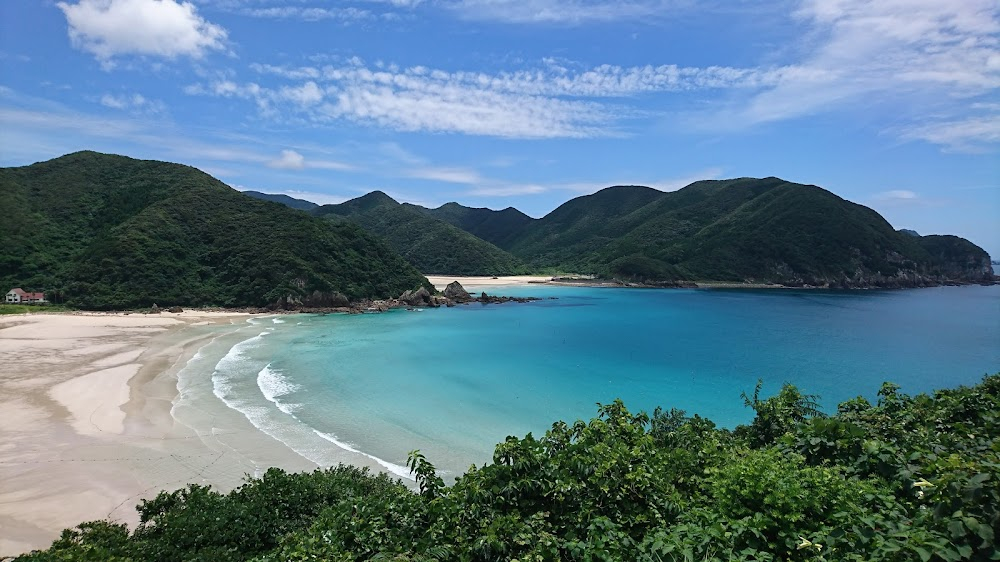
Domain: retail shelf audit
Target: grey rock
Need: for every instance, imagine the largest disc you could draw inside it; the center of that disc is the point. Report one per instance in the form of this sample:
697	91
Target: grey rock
456	292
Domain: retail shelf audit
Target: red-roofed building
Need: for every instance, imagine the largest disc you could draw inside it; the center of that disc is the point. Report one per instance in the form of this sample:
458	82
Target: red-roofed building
21	296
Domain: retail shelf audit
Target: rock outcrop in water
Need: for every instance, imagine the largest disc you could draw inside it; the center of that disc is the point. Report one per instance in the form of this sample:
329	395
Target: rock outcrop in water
456	292
420	297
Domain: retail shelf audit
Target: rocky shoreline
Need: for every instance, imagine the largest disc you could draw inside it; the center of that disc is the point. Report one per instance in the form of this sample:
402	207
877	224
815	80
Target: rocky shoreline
855	283
455	294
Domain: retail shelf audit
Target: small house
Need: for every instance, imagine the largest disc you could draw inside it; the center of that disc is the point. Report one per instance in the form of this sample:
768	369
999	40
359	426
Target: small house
21	296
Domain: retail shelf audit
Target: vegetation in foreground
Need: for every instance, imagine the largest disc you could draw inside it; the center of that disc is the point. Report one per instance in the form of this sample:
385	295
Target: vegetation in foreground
908	478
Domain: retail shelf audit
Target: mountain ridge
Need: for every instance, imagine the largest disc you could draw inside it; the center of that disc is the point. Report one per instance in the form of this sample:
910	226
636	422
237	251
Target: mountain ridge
432	245
746	230
106	231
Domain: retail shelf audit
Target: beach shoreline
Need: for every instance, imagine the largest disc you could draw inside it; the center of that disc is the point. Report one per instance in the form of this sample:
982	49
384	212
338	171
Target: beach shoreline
478	283
89	430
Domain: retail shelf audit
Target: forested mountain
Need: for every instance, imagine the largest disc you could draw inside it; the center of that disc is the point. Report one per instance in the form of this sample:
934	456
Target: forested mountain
497	227
760	230
300	204
102	231
430	244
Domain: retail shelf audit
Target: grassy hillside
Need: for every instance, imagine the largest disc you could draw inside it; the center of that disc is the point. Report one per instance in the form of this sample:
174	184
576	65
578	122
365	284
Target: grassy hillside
500	228
907	479
763	230
430	244
102	231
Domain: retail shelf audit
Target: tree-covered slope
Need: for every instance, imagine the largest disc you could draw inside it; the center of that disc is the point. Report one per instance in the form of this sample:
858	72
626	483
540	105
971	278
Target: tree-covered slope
763	230
500	228
430	244
907	479
300	204
104	231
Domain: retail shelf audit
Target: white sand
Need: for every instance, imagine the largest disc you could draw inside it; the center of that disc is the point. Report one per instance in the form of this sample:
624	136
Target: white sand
441	281
86	429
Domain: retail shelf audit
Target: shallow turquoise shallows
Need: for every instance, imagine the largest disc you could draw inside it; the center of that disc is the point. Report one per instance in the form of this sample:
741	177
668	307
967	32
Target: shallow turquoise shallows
454	382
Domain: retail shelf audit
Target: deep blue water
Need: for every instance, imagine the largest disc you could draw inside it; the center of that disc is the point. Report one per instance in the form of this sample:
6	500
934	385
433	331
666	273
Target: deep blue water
454	382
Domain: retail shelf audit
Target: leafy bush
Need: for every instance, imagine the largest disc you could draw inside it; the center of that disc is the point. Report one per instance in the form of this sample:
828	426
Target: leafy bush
907	479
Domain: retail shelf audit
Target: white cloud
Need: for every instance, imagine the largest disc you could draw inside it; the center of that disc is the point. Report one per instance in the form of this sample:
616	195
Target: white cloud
165	28
547	103
449	175
134	102
896	195
965	135
306	94
400	3
292	160
289	160
348	14
507	190
560	11
915	56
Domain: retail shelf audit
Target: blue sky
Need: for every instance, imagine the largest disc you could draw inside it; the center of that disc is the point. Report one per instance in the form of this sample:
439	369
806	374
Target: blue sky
893	104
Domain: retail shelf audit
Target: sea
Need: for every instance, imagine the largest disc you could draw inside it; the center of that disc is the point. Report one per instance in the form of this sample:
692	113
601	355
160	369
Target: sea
453	382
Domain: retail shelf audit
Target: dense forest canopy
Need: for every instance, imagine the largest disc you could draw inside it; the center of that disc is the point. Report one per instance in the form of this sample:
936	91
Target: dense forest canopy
743	230
432	245
909	478
760	230
102	231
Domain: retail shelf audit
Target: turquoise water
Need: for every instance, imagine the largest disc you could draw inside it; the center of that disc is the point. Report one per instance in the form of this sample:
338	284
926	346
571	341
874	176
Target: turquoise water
454	382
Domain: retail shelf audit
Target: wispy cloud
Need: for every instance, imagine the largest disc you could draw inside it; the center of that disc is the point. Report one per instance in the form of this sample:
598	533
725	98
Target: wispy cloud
973	134
163	28
550	102
136	103
571	12
449	175
896	195
507	190
348	14
924	59
292	160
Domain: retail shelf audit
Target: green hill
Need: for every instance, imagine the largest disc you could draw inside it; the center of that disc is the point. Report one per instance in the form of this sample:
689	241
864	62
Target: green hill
496	227
300	204
759	230
102	231
430	244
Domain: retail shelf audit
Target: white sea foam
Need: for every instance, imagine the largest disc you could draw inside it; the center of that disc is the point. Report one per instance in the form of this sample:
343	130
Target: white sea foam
391	467
277	321
273	385
286	427
227	372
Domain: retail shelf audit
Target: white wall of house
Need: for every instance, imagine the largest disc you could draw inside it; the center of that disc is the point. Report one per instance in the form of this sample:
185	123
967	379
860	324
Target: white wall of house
13	297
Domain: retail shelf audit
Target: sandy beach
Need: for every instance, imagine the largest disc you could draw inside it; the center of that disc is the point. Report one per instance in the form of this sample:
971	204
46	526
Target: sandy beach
86	402
470	283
